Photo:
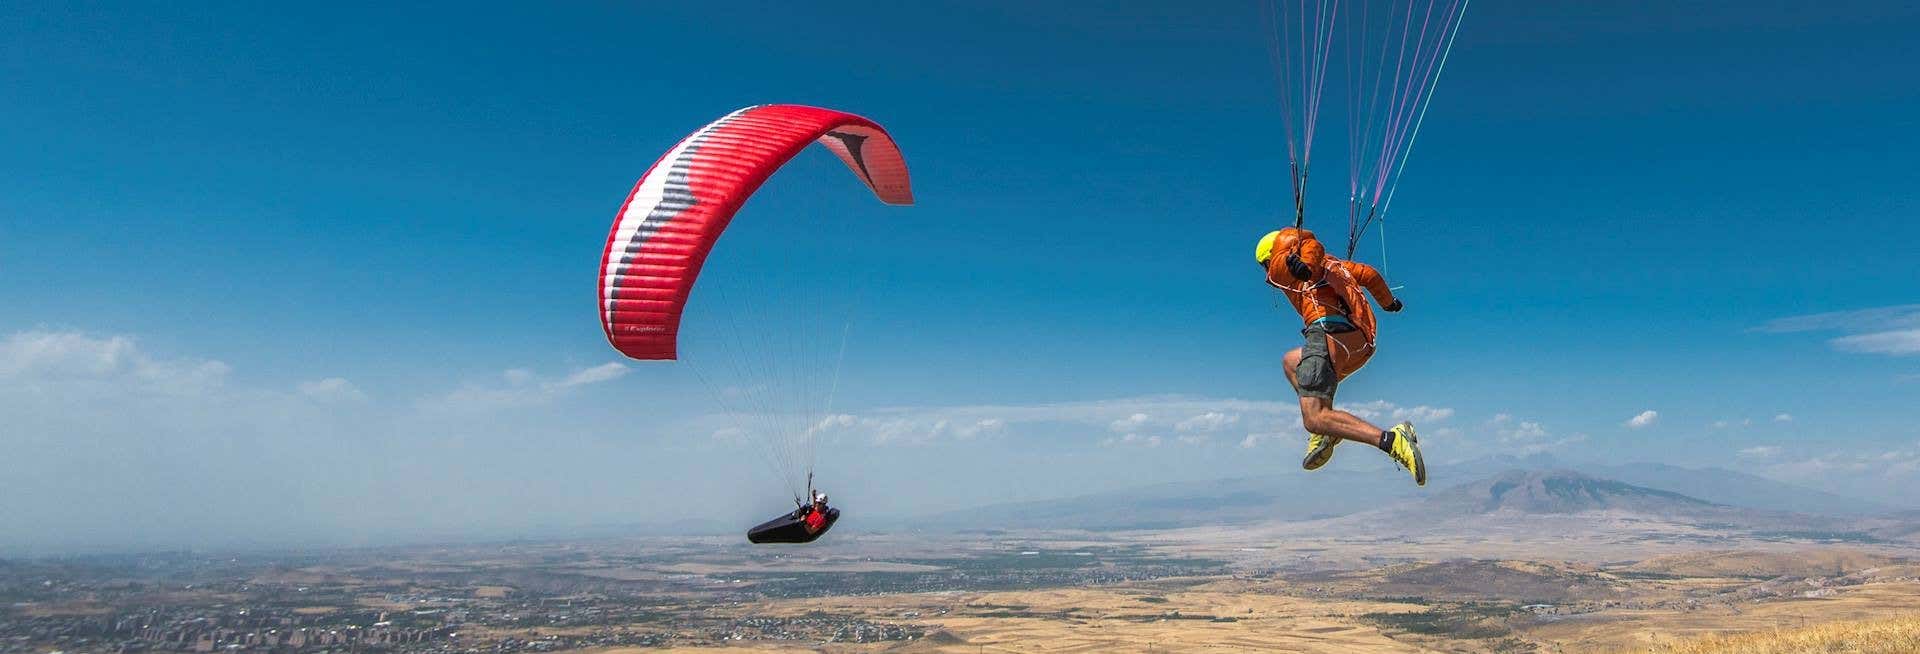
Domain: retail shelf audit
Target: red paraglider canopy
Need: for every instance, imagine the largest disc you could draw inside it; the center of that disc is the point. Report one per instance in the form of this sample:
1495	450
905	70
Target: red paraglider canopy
679	208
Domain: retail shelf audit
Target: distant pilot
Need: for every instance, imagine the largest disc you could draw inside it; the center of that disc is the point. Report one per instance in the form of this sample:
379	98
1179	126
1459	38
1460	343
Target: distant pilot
817	514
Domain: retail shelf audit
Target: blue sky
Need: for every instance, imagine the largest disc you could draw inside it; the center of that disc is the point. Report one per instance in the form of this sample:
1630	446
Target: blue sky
244	237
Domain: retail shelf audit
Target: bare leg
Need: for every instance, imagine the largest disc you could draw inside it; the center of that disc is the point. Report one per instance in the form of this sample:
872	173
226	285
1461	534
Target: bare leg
1319	416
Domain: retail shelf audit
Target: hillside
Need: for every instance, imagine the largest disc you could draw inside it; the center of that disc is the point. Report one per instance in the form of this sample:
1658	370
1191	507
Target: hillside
1808	563
1891	636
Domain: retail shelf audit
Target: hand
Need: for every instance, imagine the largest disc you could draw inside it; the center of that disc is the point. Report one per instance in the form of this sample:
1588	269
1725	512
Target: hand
1395	307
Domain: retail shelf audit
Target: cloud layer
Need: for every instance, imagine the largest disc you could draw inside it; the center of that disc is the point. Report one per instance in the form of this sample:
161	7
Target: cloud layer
111	445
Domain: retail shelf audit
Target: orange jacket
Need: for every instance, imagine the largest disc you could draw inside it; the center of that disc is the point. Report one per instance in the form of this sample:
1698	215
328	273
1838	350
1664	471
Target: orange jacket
1334	291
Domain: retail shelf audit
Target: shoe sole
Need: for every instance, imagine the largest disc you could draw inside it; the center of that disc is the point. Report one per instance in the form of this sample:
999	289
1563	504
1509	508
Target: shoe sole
1419	478
1420	463
1319	457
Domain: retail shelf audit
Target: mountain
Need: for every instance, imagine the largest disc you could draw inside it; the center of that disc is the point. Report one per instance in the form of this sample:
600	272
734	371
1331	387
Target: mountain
1739	489
1572	504
1717	485
1711	498
1557	491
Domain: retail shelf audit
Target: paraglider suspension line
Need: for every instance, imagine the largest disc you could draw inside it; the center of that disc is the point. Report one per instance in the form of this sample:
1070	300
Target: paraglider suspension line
1299	195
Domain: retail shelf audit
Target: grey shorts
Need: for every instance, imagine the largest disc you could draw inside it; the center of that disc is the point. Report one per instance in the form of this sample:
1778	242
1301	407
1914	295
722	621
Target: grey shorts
1315	375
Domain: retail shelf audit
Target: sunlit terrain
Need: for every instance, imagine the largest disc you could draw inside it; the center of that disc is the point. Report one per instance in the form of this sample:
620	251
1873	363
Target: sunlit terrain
1054	591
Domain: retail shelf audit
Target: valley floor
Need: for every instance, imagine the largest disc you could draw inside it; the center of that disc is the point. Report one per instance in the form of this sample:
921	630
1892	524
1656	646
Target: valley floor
1450	605
1236	616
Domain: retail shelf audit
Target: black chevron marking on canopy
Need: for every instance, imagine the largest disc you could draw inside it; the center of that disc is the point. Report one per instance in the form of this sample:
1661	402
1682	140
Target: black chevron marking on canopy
856	145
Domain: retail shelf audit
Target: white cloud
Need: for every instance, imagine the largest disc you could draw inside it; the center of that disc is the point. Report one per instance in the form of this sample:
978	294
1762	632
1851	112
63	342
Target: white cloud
980	427
1526	430
519	387
600	373
903	429
1130	423
1506	429
332	389
74	358
1254	440
1516	436
1382	411
56	355
1207	423
1893	330
1760	452
1897	316
832	423
1784	417
1131	426
1139	440
1174	418
1644	420
1898	343
1861	467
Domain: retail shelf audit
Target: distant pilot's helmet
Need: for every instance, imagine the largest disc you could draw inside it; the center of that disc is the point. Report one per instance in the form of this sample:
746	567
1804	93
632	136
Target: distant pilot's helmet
820	497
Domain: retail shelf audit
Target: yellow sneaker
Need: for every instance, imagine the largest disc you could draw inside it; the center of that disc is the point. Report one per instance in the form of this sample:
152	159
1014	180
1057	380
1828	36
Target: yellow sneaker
1319	451
1406	452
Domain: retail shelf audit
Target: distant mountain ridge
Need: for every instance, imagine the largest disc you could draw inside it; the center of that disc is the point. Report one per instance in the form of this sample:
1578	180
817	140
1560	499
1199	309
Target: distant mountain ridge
1559	491
1567	503
1718	485
1536	484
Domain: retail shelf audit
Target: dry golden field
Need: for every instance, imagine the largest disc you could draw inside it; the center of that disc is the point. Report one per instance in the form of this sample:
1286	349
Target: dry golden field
1239	615
1890	636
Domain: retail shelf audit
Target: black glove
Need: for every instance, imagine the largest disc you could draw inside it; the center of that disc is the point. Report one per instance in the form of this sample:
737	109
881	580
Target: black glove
1298	268
1395	307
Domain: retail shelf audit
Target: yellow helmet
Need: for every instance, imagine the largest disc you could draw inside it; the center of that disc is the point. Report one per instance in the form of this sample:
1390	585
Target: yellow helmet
1264	250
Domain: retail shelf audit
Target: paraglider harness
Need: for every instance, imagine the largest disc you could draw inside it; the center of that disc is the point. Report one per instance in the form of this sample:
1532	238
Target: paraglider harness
1332	324
792	527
